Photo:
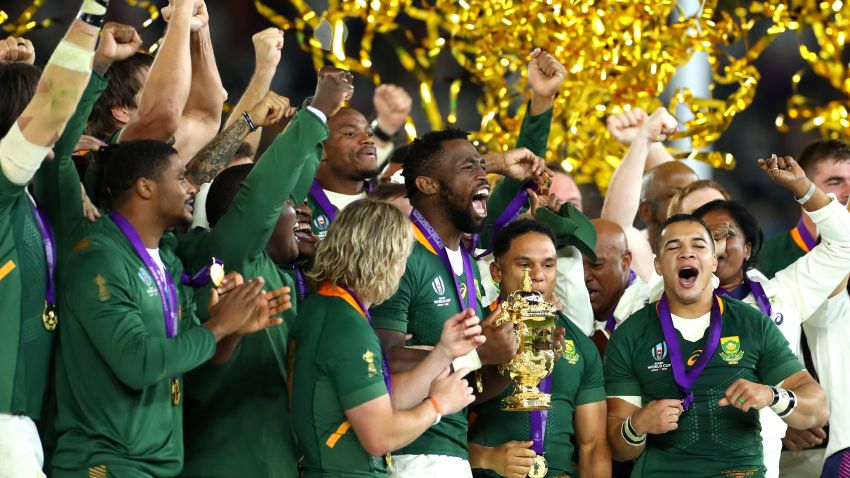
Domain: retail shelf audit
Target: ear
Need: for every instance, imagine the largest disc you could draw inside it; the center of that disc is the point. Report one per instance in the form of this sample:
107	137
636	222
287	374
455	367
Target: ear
121	115
748	250
714	263
627	260
145	188
657	263
427	186
645	212
495	272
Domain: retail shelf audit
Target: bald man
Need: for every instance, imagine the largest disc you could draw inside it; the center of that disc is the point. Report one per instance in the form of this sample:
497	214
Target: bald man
659	186
615	290
565	188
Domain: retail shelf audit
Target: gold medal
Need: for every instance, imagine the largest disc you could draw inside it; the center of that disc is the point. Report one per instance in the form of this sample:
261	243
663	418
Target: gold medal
175	391
539	468
49	318
216	273
389	459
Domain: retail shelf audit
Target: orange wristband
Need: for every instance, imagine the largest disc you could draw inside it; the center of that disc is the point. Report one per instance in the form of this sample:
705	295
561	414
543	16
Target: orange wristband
436	405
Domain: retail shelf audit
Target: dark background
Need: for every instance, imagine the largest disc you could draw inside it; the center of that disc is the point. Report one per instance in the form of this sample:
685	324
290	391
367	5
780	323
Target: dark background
751	135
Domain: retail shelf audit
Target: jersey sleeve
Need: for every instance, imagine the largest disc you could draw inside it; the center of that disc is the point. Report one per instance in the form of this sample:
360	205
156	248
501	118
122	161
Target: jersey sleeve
810	280
246	227
620	378
592	388
393	314
776	361
98	295
356	369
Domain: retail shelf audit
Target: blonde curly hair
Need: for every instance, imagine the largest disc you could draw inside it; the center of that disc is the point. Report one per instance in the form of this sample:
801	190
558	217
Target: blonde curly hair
366	249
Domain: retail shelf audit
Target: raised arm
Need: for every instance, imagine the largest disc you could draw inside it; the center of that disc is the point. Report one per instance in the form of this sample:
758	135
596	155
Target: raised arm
167	87
201	118
213	157
59	90
267	47
392	107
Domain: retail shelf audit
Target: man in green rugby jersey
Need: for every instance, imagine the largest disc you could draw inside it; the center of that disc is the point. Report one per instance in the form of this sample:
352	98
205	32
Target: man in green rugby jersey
511	444
685	376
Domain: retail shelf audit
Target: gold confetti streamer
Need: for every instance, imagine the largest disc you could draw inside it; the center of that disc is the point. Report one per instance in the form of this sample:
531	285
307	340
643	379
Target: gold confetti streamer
153	11
619	54
25	23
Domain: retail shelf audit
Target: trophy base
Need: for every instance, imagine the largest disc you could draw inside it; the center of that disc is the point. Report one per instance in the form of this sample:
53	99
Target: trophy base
525	402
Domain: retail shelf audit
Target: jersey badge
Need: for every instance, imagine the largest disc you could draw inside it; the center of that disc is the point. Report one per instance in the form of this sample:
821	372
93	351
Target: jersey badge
570	352
369	358
730	350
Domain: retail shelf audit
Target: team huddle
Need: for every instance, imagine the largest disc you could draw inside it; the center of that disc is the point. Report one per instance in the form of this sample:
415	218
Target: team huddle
182	299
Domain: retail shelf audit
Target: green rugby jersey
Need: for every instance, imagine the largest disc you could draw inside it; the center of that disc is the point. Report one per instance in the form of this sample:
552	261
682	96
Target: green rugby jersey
711	440
779	252
576	380
425	299
231	404
115	364
337	367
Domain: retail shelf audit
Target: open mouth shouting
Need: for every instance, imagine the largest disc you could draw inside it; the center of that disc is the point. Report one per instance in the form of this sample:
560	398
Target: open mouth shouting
479	201
304	233
368	153
687	276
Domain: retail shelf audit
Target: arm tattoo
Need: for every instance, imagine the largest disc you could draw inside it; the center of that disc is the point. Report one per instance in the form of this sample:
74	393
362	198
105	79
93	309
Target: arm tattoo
211	158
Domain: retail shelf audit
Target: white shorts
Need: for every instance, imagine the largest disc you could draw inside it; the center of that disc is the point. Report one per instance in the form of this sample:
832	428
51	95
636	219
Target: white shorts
428	466
20	448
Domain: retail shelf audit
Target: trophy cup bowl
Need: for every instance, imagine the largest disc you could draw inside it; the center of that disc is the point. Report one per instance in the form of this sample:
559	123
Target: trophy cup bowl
534	319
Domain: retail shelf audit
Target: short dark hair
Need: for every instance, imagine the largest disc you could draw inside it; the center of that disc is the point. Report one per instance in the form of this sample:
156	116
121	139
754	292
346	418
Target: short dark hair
121	89
399	154
18	82
131	160
504	238
223	191
424	154
385	192
822	150
746	222
676	218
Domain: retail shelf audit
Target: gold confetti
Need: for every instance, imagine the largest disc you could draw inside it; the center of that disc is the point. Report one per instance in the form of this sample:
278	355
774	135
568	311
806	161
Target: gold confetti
25	23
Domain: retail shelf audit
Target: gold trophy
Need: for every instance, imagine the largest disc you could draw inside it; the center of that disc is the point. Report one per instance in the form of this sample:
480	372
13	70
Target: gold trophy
534	319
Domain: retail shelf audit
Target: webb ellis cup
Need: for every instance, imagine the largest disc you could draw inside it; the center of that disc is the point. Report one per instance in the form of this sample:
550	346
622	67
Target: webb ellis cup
534	320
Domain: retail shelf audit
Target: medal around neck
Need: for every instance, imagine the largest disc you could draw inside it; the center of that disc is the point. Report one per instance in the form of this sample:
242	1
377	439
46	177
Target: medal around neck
534	319
539	467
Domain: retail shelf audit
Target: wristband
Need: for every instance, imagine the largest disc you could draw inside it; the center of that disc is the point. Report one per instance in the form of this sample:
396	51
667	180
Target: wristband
247	118
381	134
437	409
784	401
93	12
808	195
630	435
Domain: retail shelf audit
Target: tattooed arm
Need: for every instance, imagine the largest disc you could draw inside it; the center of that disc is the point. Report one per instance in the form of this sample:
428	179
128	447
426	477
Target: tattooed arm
213	157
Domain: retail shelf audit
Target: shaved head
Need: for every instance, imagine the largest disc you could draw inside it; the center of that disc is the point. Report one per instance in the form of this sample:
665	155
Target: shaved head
606	279
660	185
565	188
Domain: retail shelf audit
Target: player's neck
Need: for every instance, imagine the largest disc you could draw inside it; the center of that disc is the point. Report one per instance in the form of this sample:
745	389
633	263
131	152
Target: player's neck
691	310
149	226
338	184
446	229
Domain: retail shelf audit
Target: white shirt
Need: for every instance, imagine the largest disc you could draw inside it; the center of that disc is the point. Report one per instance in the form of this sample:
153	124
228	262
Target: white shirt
341	201
572	291
634	298
199	211
154	253
828	333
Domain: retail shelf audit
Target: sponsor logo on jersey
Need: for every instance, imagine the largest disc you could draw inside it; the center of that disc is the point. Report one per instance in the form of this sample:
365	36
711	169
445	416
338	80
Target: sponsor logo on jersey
730	349
694	356
440	288
778	318
570	352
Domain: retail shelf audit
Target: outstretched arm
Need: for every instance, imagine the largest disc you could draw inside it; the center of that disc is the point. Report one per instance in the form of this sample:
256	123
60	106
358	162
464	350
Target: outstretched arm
167	87
59	90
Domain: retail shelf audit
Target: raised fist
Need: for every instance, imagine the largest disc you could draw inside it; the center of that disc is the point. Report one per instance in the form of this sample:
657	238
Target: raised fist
625	126
333	88
267	46
117	42
545	74
16	50
392	106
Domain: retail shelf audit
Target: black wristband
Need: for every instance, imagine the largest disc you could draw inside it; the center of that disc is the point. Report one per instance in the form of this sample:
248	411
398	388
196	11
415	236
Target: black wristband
248	121
381	134
91	18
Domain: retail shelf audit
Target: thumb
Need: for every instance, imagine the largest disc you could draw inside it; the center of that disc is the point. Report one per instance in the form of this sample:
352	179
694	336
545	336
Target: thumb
461	372
534	199
213	297
723	402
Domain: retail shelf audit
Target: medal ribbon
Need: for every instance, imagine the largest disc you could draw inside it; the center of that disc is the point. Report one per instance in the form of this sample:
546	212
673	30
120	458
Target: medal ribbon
164	282
686	379
349	296
202	278
300	283
744	289
611	324
539	418
427	231
507	216
801	236
49	253
319	195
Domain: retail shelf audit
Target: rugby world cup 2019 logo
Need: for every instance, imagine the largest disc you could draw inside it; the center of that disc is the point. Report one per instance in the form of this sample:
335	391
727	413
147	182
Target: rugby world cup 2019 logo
439	286
730	350
659	352
321	223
